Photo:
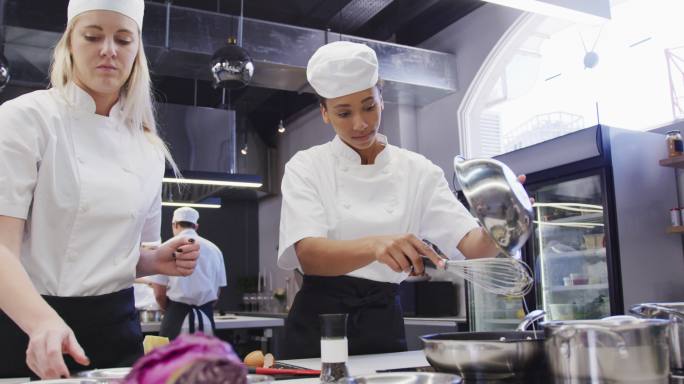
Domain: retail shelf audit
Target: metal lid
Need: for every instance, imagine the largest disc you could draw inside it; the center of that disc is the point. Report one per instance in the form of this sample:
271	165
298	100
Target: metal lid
333	325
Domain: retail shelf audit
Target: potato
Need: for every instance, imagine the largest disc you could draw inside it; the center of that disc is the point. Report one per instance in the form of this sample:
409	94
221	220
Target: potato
255	359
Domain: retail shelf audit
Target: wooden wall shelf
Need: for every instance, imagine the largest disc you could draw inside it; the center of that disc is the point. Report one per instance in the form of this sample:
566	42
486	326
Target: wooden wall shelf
675	162
677	229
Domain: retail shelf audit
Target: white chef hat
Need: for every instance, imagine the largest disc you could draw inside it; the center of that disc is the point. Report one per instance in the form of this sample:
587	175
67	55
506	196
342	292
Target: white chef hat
185	214
131	8
341	68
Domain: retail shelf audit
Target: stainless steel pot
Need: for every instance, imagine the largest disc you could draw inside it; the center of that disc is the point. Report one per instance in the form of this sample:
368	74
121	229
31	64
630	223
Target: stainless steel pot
149	316
498	200
675	313
622	349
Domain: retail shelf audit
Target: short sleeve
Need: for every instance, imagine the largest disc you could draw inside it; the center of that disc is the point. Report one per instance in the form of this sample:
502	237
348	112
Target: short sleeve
21	146
222	281
445	221
151	231
302	213
158	279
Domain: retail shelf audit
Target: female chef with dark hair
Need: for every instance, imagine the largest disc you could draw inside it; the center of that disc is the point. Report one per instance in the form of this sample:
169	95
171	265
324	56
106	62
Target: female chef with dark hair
81	167
354	212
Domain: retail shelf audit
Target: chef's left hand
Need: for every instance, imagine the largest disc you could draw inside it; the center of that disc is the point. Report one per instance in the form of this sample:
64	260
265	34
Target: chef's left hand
522	179
178	256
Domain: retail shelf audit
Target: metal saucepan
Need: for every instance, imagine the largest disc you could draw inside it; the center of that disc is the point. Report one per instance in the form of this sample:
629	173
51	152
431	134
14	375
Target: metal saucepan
498	200
675	313
403	378
621	349
488	355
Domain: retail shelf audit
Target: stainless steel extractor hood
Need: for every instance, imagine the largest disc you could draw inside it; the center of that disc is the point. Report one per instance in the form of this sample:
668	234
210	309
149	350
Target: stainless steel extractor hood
179	42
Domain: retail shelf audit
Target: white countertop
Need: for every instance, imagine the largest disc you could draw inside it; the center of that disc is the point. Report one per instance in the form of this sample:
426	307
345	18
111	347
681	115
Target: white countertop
230	322
364	364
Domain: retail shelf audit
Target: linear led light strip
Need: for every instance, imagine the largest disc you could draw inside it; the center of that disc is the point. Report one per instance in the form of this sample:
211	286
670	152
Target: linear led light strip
192	205
245	184
573	225
577	207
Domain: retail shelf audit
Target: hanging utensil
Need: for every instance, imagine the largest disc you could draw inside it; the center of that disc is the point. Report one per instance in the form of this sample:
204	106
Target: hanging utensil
500	275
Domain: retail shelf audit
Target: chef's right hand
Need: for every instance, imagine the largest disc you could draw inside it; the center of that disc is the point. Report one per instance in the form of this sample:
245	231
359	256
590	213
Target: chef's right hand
47	343
402	253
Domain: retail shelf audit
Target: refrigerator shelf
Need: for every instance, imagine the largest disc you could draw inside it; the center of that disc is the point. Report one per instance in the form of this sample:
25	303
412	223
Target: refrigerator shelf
571	288
502	321
599	253
588	218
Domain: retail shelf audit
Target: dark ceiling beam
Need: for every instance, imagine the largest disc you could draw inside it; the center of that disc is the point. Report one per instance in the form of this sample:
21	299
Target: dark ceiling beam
321	14
435	19
356	14
386	22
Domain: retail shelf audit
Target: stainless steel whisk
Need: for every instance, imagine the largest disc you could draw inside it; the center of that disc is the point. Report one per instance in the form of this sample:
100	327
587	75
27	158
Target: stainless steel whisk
499	275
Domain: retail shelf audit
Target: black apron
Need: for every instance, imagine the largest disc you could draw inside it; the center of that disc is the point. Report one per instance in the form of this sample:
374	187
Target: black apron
106	326
175	314
375	323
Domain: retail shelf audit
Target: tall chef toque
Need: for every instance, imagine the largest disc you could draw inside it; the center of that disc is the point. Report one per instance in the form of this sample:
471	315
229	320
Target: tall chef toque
185	214
342	68
131	8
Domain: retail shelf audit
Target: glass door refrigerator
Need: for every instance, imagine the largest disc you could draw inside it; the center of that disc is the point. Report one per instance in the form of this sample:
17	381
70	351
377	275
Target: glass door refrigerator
599	243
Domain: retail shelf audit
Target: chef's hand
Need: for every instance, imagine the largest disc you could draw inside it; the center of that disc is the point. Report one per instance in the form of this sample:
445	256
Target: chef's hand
177	256
47	343
403	253
522	179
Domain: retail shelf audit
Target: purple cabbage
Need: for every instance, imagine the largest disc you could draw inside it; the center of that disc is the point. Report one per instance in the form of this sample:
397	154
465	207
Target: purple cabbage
167	364
214	371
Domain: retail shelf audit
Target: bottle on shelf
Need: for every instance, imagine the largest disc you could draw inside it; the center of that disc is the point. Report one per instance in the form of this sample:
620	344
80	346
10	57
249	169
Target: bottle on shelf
675	146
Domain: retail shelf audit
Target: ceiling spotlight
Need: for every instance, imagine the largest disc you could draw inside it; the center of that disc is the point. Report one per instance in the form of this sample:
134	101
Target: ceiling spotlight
244	150
231	66
281	127
4	72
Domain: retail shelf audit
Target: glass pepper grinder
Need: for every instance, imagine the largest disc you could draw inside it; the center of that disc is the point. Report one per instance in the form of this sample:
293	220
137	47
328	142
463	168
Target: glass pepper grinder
334	349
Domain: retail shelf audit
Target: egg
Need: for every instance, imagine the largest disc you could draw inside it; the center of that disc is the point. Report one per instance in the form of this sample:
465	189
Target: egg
255	359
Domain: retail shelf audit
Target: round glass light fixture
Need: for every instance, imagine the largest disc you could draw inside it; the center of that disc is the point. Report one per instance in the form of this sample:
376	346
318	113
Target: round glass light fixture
4	72
231	66
281	127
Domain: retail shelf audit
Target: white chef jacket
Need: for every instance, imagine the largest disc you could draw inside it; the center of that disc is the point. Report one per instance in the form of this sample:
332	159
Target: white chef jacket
328	193
202	286
88	187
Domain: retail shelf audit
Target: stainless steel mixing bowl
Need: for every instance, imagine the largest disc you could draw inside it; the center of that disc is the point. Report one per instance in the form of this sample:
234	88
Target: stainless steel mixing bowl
498	200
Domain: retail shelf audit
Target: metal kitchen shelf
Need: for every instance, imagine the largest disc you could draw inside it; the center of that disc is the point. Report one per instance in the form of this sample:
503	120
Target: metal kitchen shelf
599	253
675	162
589	217
675	229
503	321
571	288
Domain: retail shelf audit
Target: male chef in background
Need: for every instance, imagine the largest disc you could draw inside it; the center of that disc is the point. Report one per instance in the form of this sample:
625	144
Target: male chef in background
188	301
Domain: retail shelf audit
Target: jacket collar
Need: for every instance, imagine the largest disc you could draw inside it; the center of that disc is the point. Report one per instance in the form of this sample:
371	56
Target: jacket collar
344	151
81	101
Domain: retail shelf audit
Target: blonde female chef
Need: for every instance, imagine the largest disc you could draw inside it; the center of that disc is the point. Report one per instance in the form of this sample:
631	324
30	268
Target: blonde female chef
354	212
80	183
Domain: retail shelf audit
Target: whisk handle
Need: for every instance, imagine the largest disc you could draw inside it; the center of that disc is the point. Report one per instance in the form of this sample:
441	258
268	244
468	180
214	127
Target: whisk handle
427	262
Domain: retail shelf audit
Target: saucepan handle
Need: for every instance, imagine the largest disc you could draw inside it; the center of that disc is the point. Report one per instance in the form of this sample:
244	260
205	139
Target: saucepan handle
642	310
